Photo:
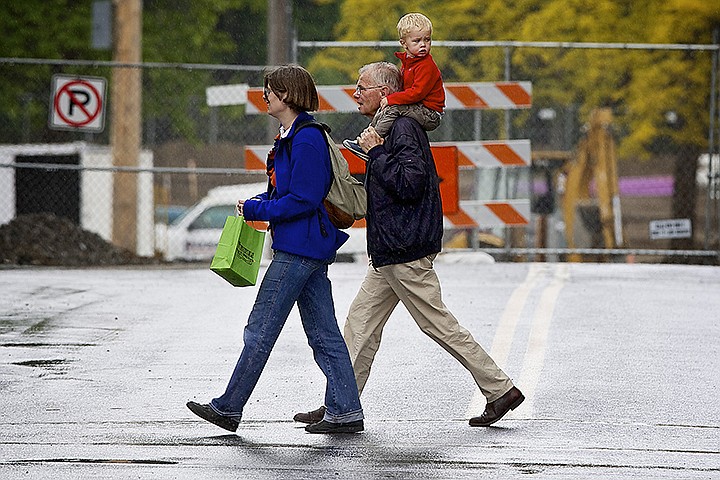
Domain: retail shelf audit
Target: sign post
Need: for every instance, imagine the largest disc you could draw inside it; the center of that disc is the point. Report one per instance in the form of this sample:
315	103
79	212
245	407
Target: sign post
78	103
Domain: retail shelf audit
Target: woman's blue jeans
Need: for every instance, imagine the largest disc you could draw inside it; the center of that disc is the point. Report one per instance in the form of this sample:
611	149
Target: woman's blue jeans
289	279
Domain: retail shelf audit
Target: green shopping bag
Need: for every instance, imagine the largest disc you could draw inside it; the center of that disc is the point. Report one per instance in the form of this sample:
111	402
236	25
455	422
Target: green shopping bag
237	258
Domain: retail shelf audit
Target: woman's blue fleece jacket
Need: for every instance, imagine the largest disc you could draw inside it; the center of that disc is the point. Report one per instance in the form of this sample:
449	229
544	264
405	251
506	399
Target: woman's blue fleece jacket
298	220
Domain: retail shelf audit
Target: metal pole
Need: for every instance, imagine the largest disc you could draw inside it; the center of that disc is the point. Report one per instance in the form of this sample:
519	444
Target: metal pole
508	230
214	128
508	54
513	44
477	130
711	139
279	15
715	175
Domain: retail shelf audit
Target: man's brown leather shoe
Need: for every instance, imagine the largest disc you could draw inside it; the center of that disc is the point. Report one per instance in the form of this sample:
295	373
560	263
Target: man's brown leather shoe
494	411
310	417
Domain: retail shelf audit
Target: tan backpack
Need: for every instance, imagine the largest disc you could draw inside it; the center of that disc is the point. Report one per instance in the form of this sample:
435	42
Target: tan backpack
346	200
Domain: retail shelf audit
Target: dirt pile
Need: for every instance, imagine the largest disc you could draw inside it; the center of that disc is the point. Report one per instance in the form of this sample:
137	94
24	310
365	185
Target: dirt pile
45	239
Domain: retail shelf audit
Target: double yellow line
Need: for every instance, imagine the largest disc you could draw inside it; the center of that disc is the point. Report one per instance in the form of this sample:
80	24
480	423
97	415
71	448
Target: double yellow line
538	274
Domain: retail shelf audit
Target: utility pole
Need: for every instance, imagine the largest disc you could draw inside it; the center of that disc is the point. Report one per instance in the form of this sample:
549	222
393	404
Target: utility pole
279	31
125	134
279	19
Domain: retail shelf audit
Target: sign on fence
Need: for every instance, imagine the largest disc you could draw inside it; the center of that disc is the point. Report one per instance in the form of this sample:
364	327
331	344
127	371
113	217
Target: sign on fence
675	228
77	103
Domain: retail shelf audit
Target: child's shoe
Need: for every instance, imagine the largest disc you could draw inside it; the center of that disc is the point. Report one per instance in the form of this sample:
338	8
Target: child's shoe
353	146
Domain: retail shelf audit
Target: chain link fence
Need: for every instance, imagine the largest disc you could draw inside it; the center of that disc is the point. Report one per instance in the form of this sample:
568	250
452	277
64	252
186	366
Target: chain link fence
171	197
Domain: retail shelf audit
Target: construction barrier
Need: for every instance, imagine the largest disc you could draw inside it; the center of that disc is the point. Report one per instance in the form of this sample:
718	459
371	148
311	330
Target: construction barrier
449	156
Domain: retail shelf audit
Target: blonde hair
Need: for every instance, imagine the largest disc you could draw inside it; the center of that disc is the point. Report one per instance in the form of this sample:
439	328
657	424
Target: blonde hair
411	21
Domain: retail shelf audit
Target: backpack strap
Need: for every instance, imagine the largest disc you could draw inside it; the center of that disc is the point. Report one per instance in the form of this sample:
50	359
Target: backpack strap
325	129
313	123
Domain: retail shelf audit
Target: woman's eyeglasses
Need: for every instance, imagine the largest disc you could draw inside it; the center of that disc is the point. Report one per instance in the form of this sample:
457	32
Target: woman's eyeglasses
266	94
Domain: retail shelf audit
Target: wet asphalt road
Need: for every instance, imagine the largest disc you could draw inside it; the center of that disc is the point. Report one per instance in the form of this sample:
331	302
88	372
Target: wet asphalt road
619	364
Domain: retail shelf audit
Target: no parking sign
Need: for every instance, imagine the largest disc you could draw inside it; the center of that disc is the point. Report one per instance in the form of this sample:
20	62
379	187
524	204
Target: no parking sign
78	103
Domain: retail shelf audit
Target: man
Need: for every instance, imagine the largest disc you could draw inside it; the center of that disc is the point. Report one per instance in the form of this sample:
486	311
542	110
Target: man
404	234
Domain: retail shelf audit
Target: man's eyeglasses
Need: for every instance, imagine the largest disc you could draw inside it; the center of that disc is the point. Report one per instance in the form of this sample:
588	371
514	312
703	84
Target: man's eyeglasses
266	94
361	89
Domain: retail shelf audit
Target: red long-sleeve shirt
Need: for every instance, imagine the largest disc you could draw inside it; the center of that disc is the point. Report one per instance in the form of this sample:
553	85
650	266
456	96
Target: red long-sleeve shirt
422	83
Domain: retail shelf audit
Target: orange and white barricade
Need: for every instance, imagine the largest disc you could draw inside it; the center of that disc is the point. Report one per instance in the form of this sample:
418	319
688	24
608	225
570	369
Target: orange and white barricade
494	153
494	213
449	156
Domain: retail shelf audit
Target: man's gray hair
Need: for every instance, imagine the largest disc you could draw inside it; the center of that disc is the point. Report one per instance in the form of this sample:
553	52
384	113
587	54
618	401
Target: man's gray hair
383	73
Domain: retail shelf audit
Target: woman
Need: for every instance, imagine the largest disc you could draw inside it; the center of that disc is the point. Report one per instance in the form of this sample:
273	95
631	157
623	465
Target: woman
304	244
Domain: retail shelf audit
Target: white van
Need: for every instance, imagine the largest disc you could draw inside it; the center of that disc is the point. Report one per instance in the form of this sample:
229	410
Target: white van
194	235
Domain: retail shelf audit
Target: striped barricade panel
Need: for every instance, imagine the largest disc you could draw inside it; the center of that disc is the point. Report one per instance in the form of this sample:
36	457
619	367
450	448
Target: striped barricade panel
484	95
497	213
222	95
339	98
256	156
488	154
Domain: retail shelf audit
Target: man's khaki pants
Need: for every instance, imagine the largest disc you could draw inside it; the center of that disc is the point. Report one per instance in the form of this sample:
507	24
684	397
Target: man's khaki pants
416	285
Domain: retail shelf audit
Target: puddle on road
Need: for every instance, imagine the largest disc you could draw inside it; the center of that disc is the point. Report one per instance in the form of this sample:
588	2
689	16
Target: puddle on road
39	327
42	363
24	322
44	345
96	460
47	367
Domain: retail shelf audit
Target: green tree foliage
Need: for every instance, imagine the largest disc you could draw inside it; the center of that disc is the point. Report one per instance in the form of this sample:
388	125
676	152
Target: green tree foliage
185	31
245	23
51	29
641	86
39	29
181	31
314	19
173	31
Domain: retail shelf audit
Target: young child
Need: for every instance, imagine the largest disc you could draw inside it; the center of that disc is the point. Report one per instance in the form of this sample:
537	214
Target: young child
423	94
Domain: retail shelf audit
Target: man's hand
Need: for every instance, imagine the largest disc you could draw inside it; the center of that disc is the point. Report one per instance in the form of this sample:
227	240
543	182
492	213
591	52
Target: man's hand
369	138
